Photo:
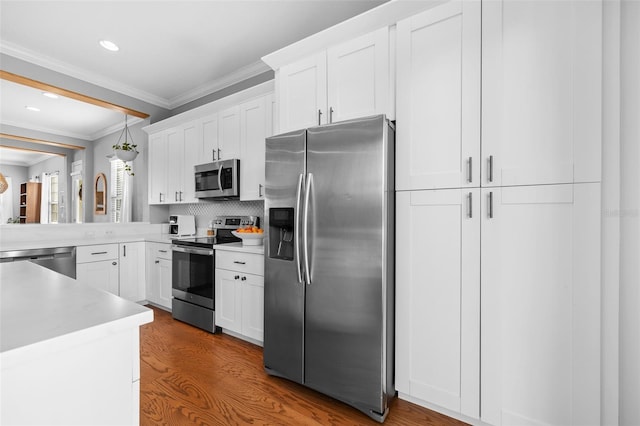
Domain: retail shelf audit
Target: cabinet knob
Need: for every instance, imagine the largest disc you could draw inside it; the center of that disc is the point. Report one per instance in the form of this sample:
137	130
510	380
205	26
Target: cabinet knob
114	263
243	278
236	277
157	261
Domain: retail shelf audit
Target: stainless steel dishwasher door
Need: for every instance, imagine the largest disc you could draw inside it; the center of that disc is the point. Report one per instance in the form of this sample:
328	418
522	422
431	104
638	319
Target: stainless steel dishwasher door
58	259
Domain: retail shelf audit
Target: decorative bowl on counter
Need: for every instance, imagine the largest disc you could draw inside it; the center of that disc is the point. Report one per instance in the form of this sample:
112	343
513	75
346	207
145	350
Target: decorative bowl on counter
249	238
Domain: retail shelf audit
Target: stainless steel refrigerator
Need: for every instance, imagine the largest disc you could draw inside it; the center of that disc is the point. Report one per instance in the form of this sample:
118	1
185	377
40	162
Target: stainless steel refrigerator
329	261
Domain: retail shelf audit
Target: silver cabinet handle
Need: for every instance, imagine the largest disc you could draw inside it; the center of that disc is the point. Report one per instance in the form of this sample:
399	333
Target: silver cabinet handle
213	152
490	209
163	251
243	278
305	235
98	252
319	117
260	190
330	114
491	168
176	196
470	170
157	261
160	197
239	263
236	277
114	263
297	227
219	155
470	197
124	251
180	192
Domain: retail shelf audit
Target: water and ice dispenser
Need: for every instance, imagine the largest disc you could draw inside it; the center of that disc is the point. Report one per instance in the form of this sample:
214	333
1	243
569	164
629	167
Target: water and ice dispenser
281	233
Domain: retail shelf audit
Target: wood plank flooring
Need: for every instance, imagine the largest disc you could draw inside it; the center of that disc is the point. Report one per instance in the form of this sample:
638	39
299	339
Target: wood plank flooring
189	376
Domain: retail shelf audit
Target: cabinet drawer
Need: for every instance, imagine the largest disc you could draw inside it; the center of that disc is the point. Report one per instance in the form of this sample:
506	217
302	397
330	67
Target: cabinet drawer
250	263
97	253
159	250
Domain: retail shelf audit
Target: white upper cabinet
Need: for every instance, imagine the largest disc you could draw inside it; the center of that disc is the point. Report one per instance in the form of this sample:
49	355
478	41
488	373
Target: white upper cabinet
228	134
345	81
541	92
174	164
255	126
192	139
302	92
358	78
438	98
157	168
209	138
540	305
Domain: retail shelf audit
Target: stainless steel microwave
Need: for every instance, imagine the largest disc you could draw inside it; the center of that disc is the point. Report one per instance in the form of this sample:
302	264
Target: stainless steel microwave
220	179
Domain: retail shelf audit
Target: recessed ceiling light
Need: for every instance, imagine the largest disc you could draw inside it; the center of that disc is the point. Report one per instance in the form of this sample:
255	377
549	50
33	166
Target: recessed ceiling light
32	108
109	45
50	95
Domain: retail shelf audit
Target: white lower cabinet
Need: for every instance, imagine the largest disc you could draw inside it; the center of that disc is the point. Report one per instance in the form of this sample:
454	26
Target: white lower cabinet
540	310
159	271
240	294
132	271
97	266
438	298
498	292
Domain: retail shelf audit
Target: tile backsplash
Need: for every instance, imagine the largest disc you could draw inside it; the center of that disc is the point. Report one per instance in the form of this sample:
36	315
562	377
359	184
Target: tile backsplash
206	211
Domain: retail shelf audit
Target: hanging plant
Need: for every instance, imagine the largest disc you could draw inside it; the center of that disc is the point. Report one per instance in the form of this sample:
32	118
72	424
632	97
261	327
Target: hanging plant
125	150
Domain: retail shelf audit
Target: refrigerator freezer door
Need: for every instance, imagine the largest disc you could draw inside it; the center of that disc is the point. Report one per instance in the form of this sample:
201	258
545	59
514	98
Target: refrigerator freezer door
344	318
283	291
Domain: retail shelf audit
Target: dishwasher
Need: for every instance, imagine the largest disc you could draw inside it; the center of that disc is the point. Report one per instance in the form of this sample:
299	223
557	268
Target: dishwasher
58	259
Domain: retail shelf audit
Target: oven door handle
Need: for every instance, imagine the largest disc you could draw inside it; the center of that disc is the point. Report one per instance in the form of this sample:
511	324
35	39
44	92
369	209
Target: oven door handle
191	250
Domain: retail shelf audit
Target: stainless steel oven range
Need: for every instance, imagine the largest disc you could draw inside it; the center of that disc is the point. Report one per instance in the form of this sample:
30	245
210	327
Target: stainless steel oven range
193	275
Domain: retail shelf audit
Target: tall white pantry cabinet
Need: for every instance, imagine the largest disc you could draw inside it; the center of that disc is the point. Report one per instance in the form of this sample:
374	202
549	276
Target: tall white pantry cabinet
498	210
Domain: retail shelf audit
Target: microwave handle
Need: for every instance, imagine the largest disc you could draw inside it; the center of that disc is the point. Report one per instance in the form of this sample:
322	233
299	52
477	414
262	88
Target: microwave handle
220	177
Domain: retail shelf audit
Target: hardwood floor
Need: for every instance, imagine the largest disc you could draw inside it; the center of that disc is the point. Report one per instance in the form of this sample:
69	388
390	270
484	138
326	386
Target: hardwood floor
189	376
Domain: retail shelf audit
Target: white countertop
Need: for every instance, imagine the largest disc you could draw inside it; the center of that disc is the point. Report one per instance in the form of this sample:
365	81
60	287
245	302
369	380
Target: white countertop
38	305
241	248
86	241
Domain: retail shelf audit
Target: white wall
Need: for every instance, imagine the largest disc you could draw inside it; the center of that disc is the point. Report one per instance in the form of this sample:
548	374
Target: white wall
630	214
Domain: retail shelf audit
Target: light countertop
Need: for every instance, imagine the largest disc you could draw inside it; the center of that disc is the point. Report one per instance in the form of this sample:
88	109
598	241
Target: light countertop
240	248
38	305
84	241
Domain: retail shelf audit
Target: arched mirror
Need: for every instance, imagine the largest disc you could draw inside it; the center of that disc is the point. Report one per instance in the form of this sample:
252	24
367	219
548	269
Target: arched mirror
100	194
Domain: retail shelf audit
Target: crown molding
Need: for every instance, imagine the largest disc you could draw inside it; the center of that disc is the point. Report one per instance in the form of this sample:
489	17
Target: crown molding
112	129
237	76
44	61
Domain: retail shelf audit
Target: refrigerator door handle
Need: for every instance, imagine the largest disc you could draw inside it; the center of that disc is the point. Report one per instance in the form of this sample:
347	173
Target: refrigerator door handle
297	225
305	229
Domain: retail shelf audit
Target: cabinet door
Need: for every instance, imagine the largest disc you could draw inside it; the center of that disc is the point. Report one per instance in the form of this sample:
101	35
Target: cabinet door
132	271
358	77
157	168
541	92
102	275
228	300
209	126
164	280
229	134
302	93
174	165
438	287
438	98
253	131
541	305
253	306
192	154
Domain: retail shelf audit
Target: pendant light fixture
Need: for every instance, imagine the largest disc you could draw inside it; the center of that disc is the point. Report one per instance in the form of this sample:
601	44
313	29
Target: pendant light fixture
125	149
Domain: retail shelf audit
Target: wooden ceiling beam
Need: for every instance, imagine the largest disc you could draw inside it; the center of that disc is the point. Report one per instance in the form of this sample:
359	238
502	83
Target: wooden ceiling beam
17	148
69	94
40	141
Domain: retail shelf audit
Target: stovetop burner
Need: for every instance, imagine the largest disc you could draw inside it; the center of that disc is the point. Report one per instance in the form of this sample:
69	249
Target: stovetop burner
205	242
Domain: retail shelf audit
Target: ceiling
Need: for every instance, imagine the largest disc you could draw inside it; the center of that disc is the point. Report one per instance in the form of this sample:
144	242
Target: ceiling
171	52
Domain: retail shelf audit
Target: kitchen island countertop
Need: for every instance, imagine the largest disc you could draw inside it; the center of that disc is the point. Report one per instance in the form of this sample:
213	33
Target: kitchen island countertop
38	305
